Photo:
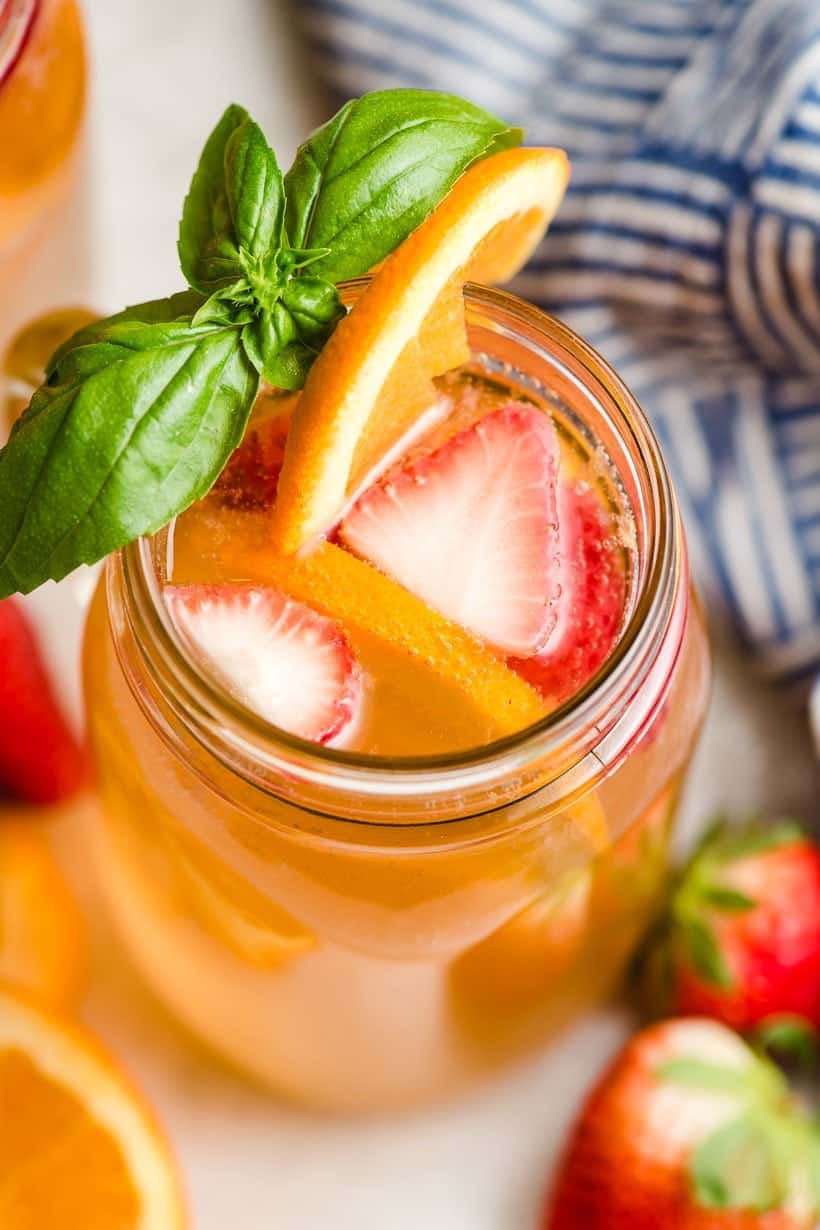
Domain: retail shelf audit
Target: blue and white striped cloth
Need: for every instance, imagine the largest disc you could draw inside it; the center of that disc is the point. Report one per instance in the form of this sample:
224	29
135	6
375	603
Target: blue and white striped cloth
687	251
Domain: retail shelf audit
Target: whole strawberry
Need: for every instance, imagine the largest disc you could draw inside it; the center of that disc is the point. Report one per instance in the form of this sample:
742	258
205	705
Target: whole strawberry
688	1130
741	937
40	761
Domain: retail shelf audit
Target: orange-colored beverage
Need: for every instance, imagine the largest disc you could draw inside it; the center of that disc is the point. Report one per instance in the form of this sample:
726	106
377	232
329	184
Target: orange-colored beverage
42	96
465	859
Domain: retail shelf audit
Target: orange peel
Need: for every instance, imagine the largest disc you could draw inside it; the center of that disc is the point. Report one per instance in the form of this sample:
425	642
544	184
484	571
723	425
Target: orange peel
372	381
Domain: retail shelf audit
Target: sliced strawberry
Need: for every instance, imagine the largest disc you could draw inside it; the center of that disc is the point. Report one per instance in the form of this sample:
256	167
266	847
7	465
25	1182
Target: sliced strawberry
291	665
740	940
593	597
251	477
471	528
688	1130
40	761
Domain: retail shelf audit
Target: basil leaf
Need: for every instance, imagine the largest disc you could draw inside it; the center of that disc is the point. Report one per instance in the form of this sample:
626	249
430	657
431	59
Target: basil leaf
134	426
180	306
283	342
255	190
364	180
208	252
315	306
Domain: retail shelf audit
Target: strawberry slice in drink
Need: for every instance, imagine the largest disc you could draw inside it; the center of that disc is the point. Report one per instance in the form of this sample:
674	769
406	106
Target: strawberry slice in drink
250	480
593	598
283	660
472	528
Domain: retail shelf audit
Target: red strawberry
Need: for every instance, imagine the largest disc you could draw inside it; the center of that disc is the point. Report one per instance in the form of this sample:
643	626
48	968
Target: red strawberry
593	596
688	1130
291	665
741	937
472	528
40	761
251	477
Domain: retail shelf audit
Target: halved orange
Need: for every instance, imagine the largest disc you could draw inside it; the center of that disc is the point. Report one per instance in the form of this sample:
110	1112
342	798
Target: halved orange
372	380
42	934
77	1145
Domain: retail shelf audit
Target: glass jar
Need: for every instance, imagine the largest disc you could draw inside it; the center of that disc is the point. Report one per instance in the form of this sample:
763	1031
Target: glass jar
42	98
360	933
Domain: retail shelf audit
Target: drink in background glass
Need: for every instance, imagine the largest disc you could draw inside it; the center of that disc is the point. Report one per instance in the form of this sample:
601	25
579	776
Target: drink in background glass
381	923
42	97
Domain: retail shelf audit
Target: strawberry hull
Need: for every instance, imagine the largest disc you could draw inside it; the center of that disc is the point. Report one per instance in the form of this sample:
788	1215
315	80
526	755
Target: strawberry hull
651	1148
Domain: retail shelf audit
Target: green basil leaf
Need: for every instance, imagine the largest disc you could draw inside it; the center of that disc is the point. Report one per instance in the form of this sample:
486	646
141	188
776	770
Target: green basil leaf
283	342
364	180
132	428
274	347
208	251
315	306
255	190
180	306
739	1167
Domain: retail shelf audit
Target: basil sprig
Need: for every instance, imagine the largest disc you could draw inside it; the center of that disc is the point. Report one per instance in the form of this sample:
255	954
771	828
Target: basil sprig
141	411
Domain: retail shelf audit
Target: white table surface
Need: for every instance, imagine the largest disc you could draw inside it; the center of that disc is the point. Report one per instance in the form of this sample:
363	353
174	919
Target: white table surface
163	70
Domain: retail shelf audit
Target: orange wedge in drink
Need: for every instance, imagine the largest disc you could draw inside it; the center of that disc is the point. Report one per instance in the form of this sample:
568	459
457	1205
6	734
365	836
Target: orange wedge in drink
42	935
372	381
361	598
77	1146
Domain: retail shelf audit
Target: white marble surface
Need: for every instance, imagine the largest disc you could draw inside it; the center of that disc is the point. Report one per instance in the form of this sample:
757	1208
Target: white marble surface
162	71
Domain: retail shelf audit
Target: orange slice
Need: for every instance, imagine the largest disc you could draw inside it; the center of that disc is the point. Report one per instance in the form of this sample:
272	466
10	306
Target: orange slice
348	589
77	1146
42	935
372	380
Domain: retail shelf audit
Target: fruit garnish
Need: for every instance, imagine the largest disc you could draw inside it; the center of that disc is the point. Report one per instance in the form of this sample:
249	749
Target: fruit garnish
77	1145
17	25
140	412
472	528
373	379
42	935
740	939
689	1130
592	582
40	760
251	477
285	661
349	590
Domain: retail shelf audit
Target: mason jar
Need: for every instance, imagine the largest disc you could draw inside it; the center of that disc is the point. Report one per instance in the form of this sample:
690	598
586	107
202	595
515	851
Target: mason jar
361	932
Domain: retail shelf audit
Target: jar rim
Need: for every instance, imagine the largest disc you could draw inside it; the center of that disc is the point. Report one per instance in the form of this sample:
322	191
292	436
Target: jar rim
246	742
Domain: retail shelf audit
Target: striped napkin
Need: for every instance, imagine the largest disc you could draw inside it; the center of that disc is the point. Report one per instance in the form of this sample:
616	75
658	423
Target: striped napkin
687	251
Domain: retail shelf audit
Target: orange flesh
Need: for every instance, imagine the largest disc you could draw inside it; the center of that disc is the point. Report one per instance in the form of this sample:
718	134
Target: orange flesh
58	1166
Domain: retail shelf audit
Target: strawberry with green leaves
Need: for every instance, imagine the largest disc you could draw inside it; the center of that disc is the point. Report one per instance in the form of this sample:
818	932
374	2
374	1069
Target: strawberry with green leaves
740	940
689	1130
